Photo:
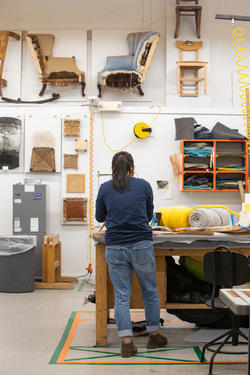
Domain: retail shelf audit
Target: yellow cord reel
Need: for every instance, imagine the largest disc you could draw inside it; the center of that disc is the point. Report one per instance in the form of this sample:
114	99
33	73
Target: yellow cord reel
142	130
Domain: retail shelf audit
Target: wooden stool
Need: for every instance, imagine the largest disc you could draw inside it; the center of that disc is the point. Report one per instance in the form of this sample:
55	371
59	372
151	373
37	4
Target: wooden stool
188	10
51	266
193	65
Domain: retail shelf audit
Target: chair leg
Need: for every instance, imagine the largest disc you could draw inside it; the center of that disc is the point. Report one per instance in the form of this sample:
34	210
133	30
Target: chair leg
140	90
212	342
205	79
243	335
43	89
178	80
196	83
100	90
83	84
217	351
177	27
198	22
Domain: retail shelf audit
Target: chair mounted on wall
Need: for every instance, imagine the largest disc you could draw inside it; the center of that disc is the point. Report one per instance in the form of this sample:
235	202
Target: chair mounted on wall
190	66
193	9
55	71
129	71
4	38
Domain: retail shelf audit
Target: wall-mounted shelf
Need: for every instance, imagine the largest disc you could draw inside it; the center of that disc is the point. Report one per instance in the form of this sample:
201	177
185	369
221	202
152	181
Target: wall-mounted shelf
202	158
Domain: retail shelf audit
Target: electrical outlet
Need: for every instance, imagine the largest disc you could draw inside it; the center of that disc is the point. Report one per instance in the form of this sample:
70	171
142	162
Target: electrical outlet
110	106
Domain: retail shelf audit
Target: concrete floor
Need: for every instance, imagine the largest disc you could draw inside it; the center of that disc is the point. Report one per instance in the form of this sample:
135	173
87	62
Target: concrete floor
32	324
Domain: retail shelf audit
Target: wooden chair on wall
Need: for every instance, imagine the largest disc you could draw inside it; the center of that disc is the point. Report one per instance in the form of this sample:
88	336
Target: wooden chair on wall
4	38
56	71
190	66
188	10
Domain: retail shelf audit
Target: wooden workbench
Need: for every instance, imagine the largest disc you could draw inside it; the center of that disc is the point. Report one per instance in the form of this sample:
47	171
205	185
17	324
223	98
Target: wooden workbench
104	288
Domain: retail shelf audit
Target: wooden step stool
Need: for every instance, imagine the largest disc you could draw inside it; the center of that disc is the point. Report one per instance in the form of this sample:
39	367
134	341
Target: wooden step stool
51	266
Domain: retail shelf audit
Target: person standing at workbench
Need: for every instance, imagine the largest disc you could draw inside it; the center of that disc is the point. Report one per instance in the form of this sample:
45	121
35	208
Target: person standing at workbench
125	203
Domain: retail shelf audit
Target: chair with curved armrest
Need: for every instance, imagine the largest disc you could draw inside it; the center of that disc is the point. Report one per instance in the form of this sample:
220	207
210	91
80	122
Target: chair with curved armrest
55	71
129	71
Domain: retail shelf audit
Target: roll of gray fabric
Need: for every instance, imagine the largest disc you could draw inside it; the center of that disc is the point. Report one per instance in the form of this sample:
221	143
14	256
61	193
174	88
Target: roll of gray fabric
221	131
209	217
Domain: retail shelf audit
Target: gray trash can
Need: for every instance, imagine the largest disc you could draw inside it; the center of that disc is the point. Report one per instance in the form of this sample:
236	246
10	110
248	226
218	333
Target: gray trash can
17	260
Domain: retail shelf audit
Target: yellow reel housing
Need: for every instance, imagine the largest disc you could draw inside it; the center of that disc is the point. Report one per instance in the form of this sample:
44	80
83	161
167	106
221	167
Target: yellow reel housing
142	130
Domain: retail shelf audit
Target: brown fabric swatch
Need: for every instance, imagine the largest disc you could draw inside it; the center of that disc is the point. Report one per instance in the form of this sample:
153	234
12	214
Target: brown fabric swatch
70	161
75	183
72	128
74	209
43	159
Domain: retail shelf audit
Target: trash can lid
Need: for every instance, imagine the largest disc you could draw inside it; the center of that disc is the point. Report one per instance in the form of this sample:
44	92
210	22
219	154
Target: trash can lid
12	245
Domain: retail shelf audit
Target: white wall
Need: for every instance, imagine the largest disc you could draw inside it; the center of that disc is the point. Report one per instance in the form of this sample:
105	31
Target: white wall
110	22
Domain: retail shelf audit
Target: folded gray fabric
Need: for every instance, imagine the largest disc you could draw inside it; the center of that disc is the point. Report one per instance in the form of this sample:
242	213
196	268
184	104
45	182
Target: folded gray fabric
221	131
209	217
184	128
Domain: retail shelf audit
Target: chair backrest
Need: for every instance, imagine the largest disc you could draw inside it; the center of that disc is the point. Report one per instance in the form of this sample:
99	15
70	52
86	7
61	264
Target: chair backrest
142	46
226	267
188	45
40	46
4	37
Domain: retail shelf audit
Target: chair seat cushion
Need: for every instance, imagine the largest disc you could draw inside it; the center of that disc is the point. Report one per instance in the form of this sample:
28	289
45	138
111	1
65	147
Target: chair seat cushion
63	74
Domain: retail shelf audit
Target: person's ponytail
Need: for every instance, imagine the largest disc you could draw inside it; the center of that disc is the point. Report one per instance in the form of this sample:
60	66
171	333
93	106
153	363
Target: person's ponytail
122	169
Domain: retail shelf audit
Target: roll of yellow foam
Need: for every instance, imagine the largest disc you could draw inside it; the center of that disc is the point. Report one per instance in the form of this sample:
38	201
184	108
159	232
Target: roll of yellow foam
174	217
177	217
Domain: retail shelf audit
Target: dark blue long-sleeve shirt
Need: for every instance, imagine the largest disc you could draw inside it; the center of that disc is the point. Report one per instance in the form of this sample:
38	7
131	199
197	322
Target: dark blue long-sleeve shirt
126	214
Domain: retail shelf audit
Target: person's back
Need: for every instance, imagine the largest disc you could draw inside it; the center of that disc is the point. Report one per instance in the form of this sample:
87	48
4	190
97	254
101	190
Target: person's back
126	213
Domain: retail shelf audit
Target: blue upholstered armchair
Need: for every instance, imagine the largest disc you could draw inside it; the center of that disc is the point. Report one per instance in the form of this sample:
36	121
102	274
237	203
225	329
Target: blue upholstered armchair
125	72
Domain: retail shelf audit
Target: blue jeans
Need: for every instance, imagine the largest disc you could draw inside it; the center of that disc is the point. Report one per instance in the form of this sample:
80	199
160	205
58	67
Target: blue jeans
122	259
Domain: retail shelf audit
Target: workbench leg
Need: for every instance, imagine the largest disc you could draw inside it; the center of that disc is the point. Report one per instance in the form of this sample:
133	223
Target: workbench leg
161	279
101	296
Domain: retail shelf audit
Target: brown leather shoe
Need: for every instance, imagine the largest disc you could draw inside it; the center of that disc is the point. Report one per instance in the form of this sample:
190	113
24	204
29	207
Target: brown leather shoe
127	350
156	341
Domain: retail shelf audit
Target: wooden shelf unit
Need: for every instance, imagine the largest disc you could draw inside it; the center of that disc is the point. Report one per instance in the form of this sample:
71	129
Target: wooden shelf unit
220	150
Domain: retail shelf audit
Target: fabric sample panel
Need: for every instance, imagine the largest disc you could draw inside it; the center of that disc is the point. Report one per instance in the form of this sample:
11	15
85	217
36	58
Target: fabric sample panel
184	128
43	159
81	145
75	183
72	128
10	139
74	209
70	161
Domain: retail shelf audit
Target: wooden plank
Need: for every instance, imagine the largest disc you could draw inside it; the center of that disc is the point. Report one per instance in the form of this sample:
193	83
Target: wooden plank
69	279
58	261
101	296
54	239
186	306
57	285
44	263
161	280
242	192
50	264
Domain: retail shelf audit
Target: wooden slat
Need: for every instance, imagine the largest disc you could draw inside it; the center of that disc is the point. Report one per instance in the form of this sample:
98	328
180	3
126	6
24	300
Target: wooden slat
101	296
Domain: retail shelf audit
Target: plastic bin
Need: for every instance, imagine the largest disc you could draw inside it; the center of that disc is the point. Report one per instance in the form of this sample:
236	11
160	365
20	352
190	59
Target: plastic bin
17	260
